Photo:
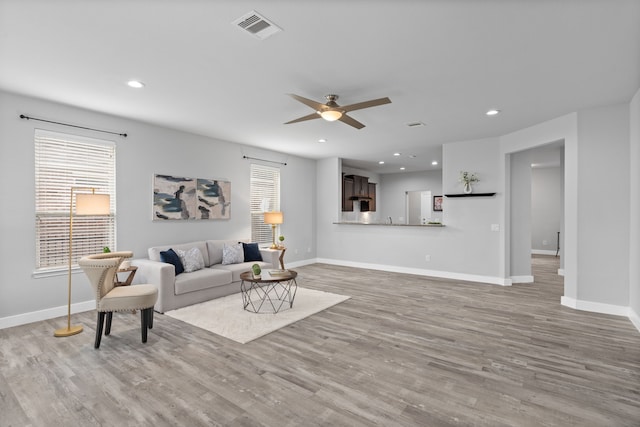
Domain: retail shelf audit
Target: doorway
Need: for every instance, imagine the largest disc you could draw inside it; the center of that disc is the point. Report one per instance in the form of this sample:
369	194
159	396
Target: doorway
536	207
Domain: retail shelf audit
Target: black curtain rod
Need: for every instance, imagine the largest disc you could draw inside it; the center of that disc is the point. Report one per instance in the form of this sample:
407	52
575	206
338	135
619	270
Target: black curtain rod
22	116
263	160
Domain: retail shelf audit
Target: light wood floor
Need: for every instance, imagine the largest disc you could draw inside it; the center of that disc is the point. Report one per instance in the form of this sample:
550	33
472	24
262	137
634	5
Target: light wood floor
403	351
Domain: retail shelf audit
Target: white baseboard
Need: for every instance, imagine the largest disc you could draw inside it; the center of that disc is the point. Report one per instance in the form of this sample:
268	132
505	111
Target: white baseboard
635	318
561	272
522	279
49	313
420	272
543	252
302	263
596	307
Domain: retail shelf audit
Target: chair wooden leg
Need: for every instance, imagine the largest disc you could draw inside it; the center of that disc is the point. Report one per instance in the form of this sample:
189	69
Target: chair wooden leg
99	328
151	318
144	316
107	329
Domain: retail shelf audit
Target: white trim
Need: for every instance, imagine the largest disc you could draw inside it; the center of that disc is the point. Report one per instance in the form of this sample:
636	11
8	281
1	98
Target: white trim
596	307
420	272
543	252
635	318
49	313
522	279
561	272
302	263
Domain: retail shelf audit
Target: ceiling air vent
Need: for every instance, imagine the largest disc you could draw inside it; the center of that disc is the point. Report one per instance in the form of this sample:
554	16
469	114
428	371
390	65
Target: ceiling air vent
257	25
415	124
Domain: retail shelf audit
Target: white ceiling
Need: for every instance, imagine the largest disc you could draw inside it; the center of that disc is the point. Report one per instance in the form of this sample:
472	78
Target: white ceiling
444	63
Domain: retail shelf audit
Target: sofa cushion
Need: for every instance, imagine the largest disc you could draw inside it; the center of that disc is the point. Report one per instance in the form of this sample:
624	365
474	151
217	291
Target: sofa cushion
237	269
191	259
154	253
214	247
171	257
251	252
232	253
201	279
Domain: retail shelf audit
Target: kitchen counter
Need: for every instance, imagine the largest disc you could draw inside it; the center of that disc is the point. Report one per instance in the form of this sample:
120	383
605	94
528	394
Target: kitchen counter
388	225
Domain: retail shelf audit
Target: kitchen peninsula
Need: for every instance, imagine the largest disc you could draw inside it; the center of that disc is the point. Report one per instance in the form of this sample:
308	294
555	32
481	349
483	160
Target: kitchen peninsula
387	224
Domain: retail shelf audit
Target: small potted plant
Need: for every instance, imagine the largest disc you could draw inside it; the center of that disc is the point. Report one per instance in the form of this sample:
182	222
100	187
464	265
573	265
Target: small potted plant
281	238
106	250
466	179
256	270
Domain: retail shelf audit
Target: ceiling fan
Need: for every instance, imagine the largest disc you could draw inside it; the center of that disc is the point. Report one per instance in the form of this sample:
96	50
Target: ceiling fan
331	111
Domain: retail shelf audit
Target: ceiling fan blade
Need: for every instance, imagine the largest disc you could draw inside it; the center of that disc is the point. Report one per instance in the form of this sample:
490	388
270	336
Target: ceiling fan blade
350	121
305	118
365	104
313	104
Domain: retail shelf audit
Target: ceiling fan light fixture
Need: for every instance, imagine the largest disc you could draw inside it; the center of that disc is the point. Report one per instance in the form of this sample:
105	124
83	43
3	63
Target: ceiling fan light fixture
331	115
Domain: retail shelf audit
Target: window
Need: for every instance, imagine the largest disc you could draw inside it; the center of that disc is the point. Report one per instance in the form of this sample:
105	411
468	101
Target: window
265	197
61	162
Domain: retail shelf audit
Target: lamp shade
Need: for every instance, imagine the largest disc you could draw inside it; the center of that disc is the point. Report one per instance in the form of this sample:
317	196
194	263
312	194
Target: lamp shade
92	204
273	218
331	115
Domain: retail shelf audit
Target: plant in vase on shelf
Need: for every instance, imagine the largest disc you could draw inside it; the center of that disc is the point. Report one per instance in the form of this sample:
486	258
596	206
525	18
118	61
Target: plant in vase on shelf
467	178
281	244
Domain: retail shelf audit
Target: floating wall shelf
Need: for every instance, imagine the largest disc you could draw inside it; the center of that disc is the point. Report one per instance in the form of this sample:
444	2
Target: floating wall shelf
471	195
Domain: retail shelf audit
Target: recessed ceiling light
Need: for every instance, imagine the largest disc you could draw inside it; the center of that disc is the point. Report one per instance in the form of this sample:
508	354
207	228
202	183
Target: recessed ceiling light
135	84
493	112
434	163
402	168
397	154
381	162
322	140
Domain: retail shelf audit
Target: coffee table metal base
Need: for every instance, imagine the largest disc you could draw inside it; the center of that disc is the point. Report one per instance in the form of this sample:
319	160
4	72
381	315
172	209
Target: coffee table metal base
268	297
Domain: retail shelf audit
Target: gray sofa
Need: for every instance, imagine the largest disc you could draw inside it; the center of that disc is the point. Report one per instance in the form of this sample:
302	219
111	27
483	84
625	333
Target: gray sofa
214	281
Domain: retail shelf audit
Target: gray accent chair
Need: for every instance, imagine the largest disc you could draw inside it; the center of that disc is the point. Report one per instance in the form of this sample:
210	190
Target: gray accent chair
101	270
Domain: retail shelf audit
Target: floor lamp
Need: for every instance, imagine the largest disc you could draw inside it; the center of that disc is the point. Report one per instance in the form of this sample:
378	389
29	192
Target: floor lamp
273	218
86	204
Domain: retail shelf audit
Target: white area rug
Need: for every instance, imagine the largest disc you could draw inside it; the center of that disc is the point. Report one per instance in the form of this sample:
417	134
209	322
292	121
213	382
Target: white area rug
225	316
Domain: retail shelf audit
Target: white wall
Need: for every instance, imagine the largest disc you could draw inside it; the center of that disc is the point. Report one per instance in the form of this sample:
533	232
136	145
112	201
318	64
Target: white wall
603	203
465	248
520	213
148	149
634	211
546	207
393	187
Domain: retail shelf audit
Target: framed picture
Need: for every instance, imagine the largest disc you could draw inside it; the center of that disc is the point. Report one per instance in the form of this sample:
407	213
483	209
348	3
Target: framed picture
437	203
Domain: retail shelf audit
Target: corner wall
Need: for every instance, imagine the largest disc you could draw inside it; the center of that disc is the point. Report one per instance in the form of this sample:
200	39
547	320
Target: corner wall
634	211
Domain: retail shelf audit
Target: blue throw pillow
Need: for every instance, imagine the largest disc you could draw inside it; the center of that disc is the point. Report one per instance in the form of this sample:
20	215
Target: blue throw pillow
251	252
171	257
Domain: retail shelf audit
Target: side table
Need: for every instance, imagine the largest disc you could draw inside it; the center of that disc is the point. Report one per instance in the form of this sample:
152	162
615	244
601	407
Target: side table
282	251
132	272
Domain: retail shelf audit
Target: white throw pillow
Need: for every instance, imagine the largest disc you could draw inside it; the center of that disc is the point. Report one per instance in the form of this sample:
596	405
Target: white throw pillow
232	254
192	259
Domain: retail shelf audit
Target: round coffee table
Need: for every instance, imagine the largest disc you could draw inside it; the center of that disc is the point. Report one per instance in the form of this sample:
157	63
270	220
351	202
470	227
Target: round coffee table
271	293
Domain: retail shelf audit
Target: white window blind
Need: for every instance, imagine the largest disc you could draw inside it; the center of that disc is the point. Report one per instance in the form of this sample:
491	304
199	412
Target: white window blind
264	196
64	161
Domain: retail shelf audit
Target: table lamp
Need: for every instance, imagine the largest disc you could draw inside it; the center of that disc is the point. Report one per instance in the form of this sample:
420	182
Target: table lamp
86	204
273	218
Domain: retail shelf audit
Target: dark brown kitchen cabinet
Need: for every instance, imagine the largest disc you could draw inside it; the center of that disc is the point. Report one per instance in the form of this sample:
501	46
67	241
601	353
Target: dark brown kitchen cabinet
347	193
360	185
372	194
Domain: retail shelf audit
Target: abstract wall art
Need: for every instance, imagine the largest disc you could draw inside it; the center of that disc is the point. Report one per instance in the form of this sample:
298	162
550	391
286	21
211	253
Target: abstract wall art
180	198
